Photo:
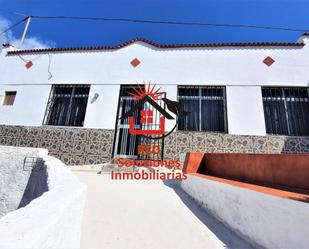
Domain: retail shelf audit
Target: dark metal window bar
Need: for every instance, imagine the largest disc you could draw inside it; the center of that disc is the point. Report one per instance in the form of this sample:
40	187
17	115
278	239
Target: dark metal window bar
207	107
67	105
286	110
125	143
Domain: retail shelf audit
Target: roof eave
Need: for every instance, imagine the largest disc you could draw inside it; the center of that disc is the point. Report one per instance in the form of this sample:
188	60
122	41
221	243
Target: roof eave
159	46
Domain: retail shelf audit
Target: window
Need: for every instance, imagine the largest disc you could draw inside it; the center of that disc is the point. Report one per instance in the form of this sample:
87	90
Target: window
9	98
67	105
286	110
206	105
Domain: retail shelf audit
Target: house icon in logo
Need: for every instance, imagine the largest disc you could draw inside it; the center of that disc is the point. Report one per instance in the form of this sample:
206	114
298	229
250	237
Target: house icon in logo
146	117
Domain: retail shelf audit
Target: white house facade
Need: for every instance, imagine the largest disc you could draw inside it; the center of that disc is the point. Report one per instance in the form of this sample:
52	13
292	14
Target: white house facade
242	97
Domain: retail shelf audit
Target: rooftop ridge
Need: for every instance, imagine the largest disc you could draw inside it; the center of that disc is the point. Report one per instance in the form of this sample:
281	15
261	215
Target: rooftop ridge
161	46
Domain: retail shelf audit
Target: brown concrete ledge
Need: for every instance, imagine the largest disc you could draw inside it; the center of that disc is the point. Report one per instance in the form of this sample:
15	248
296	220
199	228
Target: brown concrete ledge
276	174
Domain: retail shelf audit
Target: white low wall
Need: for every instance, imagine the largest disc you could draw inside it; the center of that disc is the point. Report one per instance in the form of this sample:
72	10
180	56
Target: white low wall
52	220
264	220
18	186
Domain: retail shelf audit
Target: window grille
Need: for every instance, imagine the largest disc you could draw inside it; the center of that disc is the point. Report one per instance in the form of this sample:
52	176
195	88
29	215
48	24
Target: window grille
286	110
207	107
67	105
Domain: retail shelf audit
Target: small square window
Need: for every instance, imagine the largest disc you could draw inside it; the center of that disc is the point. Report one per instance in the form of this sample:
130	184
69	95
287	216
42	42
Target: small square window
9	98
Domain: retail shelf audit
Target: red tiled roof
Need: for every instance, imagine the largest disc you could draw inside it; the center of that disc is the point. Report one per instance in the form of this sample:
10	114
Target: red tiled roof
162	46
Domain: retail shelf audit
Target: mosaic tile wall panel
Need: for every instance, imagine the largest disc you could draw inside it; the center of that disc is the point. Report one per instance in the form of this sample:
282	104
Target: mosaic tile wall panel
74	146
78	146
181	142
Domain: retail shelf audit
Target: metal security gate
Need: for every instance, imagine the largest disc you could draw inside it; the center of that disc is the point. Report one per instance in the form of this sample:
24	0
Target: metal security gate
125	144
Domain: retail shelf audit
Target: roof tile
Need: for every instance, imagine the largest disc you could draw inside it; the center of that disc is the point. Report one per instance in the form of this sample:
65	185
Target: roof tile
163	46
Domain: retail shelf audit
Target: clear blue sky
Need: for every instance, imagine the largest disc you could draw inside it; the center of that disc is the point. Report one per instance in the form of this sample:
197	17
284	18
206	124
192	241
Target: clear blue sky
285	13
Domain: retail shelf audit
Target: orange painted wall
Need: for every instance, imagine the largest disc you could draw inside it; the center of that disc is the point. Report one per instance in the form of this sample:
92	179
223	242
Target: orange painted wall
273	170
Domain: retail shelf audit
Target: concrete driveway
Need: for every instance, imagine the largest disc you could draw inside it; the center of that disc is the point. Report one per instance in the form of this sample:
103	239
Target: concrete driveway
147	214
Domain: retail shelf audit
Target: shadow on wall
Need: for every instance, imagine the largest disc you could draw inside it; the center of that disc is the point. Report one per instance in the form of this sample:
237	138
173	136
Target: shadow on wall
228	237
37	183
304	199
295	145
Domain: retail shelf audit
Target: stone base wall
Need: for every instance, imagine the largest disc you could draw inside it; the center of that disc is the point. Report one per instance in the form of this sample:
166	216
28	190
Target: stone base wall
78	146
73	146
182	141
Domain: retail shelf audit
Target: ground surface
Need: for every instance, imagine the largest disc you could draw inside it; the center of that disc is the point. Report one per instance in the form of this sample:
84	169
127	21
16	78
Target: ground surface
147	214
